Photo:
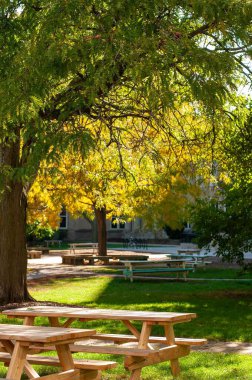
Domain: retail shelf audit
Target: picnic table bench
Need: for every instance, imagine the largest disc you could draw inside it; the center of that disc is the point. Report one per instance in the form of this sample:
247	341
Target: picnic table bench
17	341
80	259
140	349
79	246
120	257
188	251
192	260
156	266
53	242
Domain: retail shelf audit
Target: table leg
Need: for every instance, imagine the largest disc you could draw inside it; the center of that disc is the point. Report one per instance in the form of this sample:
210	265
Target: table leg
28	369
17	362
170	338
142	344
65	356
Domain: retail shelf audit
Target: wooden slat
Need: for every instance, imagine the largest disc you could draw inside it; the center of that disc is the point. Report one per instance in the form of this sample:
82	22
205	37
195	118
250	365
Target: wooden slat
42	334
114	350
152	339
54	361
110	314
71	374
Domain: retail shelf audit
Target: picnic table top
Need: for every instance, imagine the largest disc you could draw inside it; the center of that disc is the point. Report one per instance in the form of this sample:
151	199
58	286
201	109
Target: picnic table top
159	261
174	256
85	244
42	334
90	313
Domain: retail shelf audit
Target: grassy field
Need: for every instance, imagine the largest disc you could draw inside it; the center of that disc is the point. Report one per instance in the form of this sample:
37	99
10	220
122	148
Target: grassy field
224	312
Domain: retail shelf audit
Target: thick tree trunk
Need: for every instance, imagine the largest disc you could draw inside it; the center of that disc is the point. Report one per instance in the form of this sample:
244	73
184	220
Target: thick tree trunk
100	215
13	204
13	257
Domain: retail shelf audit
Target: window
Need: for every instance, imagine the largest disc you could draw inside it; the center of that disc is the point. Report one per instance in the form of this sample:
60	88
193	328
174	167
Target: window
117	224
63	221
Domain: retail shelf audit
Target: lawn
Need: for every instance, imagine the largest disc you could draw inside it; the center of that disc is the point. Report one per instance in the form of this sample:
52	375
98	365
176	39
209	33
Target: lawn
224	312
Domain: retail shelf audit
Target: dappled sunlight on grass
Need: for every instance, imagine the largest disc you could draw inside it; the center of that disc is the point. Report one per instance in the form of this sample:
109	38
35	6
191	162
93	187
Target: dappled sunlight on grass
224	309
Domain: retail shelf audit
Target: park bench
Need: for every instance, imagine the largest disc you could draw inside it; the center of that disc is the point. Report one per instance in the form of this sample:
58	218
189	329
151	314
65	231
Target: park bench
80	246
177	266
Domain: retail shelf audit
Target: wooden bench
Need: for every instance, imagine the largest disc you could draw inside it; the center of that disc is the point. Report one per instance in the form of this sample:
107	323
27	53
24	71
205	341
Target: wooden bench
189	251
127	257
156	266
34	254
124	338
53	242
44	250
193	261
73	259
79	246
70	259
89	369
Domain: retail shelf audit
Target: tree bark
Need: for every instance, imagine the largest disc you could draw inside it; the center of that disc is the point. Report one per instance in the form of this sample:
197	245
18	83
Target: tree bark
100	215
13	204
13	256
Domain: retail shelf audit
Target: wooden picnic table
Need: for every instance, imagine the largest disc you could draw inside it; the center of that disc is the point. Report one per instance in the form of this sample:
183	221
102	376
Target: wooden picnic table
78	246
53	242
156	266
18	340
139	351
195	260
188	251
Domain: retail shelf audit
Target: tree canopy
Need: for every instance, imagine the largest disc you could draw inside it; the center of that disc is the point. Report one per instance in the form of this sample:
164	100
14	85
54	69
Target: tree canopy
105	60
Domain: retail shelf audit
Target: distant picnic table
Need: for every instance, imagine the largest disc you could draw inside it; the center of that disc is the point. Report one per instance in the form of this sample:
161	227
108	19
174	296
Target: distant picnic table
156	266
53	242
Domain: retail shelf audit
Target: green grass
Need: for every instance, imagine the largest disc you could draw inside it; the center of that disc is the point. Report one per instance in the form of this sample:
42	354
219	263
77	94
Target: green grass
201	273
196	366
224	312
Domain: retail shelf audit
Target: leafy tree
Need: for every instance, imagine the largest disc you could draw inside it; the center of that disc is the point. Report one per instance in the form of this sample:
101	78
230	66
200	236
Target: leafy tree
97	185
107	61
224	220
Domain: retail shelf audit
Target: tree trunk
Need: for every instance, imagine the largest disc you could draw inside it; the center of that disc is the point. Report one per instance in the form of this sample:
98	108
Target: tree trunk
100	215
13	257
13	204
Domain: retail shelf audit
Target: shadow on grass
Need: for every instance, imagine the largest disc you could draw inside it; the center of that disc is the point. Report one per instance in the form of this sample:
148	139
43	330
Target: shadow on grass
224	309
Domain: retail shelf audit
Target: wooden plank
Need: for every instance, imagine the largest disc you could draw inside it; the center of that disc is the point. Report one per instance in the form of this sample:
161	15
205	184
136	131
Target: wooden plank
169	353
65	356
91	313
17	361
170	338
132	329
72	374
9	347
54	361
110	349
152	339
41	334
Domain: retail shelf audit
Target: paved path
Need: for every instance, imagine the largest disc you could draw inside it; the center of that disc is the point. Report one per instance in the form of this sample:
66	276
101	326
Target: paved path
50	266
